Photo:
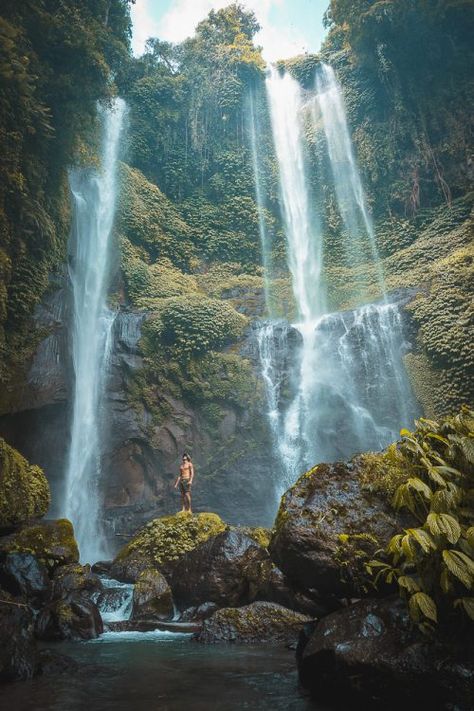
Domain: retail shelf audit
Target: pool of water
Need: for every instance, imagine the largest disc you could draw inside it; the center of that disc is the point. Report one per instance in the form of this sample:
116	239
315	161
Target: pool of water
164	672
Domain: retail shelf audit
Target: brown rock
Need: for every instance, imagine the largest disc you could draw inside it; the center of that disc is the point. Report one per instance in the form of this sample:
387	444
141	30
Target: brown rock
152	597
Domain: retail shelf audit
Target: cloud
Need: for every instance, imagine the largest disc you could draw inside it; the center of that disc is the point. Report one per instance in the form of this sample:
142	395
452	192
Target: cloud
144	25
182	17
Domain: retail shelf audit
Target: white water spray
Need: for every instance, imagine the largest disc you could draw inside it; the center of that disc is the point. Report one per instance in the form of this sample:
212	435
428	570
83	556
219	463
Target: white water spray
352	204
94	196
349	389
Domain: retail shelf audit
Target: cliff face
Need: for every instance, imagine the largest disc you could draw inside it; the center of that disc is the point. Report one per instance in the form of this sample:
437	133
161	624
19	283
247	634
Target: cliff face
188	284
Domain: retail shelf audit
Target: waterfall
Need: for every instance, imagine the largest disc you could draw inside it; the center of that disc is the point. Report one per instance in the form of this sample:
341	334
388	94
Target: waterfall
94	195
262	227
351	201
302	228
337	386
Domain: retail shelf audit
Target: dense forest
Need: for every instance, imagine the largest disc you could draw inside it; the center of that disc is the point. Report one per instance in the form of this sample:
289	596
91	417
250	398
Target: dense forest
198	269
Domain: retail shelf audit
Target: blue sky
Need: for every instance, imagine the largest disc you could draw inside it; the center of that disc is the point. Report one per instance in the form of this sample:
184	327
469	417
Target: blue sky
289	27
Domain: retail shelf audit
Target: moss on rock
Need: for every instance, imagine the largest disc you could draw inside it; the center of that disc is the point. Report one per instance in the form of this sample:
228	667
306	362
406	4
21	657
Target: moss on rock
162	542
24	489
52	542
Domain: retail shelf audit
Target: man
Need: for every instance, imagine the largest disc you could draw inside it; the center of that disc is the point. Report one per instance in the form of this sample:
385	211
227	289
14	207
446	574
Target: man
185	480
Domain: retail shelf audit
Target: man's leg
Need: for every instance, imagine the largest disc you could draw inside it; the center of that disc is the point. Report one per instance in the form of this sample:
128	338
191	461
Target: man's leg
188	501
183	501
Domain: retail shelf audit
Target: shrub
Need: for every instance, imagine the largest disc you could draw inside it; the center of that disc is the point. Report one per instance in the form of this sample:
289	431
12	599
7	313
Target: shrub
433	563
194	324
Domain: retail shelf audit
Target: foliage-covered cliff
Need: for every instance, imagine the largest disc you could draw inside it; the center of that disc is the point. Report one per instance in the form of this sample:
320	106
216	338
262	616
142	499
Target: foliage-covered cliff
56	60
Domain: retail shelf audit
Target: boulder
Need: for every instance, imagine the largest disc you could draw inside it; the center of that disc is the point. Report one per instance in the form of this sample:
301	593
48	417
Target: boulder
201	612
51	542
330	522
223	569
23	574
253	624
24	489
102	567
75	618
18	655
152	597
162	542
369	655
75	578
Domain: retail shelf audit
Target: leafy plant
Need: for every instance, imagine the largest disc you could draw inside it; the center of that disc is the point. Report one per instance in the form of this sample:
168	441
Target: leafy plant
433	563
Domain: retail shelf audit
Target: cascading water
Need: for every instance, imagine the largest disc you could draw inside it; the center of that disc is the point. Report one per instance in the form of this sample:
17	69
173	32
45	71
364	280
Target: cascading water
348	390
352	205
94	199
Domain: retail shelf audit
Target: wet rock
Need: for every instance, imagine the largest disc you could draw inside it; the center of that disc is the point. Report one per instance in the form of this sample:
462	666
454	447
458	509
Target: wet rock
328	523
255	623
162	542
18	655
102	567
51	663
220	570
51	542
201	612
75	578
75	618
23	574
152	597
270	584
371	655
24	489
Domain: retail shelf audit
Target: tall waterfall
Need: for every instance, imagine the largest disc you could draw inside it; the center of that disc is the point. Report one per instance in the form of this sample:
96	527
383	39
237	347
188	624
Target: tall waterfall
94	194
302	228
335	382
361	245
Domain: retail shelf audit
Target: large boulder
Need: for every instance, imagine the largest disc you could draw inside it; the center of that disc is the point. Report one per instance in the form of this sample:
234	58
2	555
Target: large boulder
162	542
51	542
152	597
17	645
223	570
75	578
75	618
23	574
24	489
370	655
253	624
333	520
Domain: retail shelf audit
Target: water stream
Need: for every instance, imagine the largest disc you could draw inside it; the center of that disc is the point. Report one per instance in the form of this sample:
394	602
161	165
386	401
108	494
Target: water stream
94	195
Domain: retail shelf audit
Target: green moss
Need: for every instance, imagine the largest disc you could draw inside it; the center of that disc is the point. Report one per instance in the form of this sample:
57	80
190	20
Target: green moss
24	489
382	472
169	538
52	542
258	534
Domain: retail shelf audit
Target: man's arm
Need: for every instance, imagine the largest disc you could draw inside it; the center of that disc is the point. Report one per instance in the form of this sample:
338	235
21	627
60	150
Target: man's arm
177	481
192	473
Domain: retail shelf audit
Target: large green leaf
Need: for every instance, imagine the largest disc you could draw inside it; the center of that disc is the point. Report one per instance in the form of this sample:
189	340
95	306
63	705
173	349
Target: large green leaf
442	524
422	605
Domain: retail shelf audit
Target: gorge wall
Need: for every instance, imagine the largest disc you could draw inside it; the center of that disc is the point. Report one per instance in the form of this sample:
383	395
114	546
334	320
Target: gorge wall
188	283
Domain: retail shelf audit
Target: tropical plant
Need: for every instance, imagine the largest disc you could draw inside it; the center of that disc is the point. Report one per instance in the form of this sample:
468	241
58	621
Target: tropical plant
433	562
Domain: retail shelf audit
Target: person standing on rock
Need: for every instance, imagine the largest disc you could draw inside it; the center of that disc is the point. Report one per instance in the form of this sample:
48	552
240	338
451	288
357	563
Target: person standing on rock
185	480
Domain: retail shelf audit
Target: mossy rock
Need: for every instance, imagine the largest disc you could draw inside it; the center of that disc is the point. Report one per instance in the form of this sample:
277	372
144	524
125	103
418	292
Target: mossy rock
253	624
51	542
334	519
163	542
152	597
24	489
258	534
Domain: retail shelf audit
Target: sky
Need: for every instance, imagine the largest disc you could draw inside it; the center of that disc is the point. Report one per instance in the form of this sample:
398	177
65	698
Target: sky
289	27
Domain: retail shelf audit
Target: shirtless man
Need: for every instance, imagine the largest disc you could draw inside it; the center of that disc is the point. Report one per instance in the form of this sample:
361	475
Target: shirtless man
185	480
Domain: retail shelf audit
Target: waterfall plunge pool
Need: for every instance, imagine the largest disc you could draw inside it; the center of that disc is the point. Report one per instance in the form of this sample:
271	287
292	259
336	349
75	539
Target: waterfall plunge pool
156	670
